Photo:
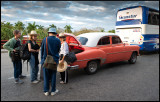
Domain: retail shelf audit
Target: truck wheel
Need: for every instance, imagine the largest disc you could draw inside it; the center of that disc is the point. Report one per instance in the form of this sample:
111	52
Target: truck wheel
133	58
92	67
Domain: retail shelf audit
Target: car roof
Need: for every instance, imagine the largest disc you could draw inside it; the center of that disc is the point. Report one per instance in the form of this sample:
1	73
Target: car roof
94	37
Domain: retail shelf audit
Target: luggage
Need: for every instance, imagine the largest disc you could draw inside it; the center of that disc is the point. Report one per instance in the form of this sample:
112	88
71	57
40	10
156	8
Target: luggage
70	58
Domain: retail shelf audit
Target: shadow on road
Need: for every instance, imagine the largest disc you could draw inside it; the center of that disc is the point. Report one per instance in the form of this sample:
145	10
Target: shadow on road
149	53
81	73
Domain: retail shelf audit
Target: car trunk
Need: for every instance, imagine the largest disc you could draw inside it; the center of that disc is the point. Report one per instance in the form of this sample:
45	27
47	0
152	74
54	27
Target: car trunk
74	45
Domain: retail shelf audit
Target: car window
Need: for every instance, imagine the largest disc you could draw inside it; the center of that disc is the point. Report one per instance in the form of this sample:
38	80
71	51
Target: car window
116	40
104	41
82	40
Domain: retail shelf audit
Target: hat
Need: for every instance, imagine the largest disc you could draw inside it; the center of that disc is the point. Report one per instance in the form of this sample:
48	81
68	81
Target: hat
62	35
33	33
62	66
52	30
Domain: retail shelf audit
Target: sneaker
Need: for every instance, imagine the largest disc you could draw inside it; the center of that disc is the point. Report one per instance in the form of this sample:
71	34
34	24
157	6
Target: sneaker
22	76
53	93
62	82
46	93
38	80
19	82
35	82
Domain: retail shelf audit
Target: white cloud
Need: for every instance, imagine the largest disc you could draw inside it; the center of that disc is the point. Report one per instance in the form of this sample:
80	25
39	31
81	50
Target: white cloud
43	21
9	15
78	15
81	7
45	14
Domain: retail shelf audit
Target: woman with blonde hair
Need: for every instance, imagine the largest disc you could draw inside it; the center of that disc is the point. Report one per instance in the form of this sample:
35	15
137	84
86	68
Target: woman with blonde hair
34	49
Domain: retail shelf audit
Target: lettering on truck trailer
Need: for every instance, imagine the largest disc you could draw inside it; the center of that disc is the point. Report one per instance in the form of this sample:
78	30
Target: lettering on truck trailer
126	17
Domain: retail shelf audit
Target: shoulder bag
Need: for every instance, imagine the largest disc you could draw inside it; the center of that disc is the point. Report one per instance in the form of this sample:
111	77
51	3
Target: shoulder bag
49	62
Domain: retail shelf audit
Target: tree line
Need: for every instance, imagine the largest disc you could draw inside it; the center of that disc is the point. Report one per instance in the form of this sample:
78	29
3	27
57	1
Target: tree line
7	29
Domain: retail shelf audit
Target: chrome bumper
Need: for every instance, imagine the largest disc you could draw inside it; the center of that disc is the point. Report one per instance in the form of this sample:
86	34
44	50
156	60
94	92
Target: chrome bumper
73	67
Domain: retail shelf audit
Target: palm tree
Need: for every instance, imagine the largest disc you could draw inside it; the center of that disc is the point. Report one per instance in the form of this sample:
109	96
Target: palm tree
6	30
52	26
40	27
19	26
9	25
68	29
31	27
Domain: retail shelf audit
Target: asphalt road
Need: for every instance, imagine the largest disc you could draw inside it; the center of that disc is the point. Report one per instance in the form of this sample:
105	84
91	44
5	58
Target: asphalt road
113	82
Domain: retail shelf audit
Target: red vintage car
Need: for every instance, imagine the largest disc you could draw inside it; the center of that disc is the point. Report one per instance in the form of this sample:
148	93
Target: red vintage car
95	49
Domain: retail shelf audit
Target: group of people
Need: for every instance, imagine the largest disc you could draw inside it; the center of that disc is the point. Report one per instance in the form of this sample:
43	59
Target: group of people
57	48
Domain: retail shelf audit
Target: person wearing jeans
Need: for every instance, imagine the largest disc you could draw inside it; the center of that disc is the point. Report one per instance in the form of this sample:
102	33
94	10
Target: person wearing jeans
17	70
34	70
12	45
34	49
54	46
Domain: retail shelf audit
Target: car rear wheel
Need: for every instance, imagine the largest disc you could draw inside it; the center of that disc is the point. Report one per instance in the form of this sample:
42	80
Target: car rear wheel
92	67
133	58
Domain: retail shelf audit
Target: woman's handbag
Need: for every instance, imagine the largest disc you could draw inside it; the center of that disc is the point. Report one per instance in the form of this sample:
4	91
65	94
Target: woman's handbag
49	62
70	58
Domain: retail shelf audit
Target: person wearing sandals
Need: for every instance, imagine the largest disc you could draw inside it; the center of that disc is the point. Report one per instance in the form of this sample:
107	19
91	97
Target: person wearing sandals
54	46
63	52
34	49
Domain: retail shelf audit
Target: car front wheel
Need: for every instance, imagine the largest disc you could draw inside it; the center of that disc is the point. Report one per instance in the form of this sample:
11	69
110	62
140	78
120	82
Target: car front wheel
92	67
133	58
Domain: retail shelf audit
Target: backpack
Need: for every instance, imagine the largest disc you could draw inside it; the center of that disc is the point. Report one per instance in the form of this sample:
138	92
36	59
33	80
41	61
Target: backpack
24	53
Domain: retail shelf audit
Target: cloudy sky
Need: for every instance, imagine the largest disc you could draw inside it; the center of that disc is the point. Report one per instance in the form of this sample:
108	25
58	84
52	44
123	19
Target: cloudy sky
79	14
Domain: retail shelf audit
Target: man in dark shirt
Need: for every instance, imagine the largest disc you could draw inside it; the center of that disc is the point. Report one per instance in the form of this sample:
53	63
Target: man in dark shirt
54	46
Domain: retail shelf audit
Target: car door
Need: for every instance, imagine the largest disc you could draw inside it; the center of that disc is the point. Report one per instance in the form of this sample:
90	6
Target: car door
118	49
105	45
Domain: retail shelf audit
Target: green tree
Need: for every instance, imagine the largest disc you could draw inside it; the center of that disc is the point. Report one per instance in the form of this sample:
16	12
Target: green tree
19	26
9	25
68	29
41	33
102	30
111	31
6	30
40	27
52	26
31	27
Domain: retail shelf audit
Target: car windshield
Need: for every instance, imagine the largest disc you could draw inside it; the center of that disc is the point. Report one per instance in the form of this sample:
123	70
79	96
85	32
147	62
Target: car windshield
82	40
